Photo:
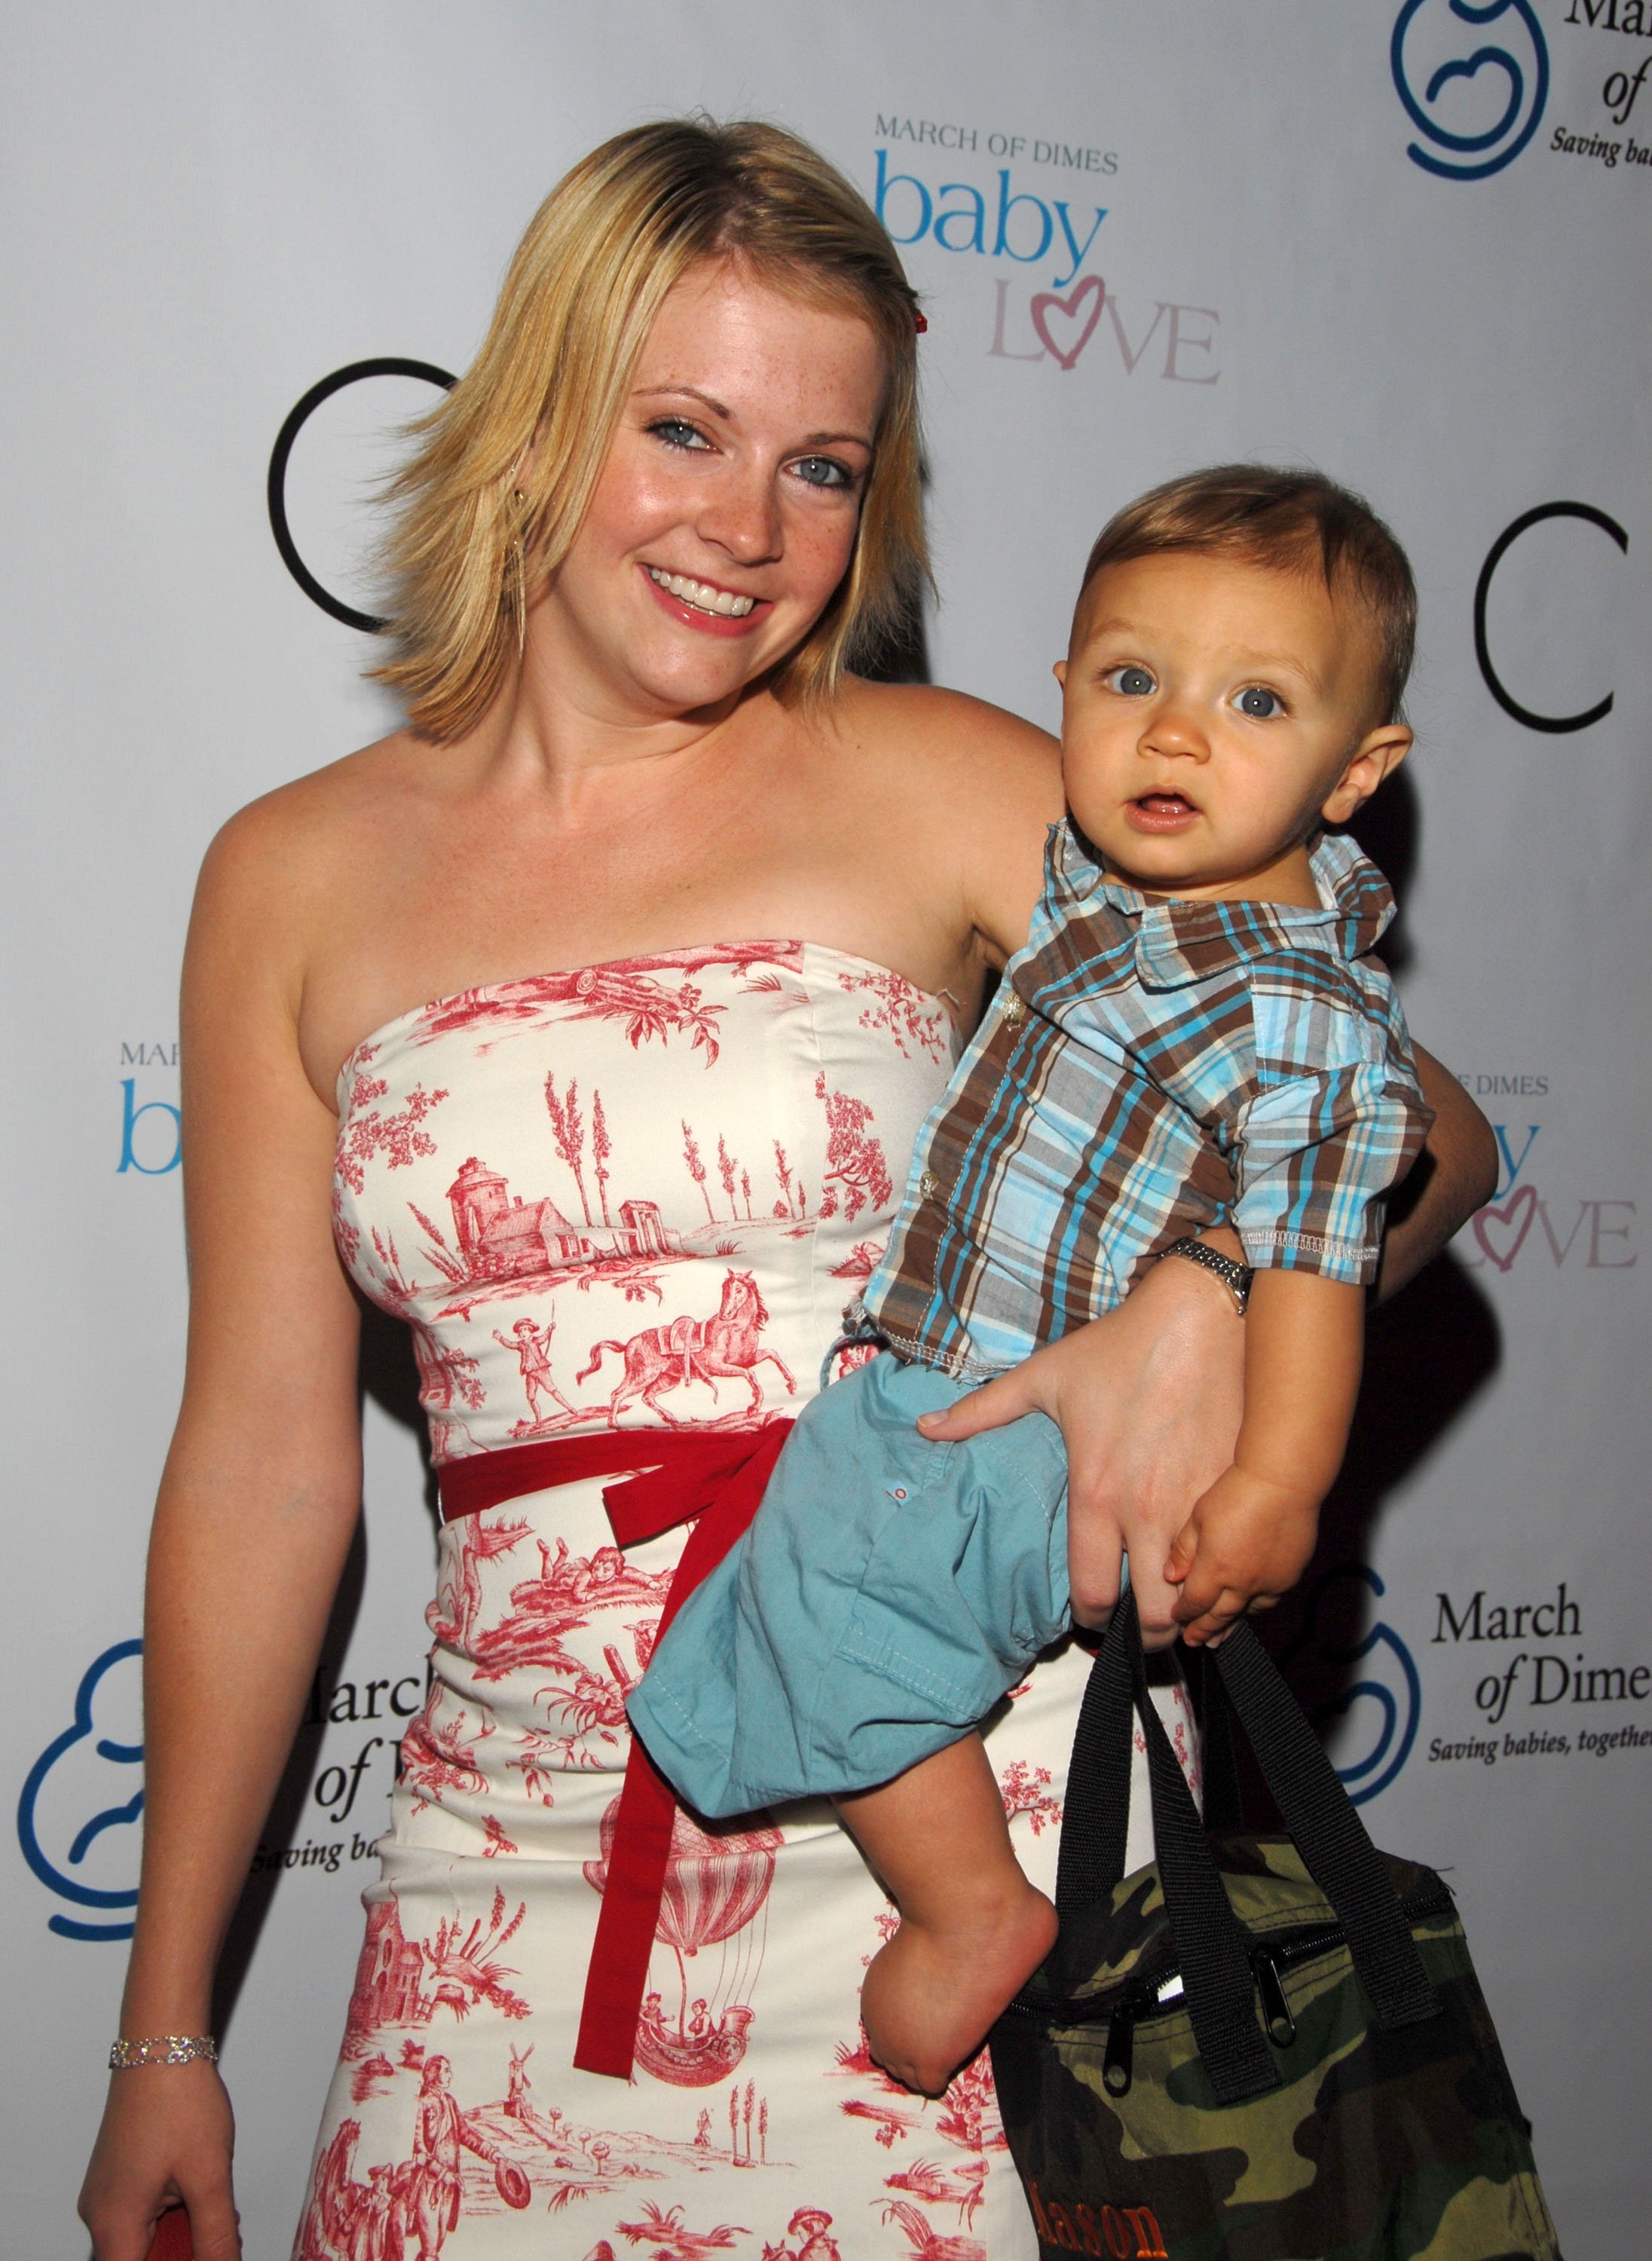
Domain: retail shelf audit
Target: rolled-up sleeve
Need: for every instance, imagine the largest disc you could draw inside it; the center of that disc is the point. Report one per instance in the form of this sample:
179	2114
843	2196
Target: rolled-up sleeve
1334	1120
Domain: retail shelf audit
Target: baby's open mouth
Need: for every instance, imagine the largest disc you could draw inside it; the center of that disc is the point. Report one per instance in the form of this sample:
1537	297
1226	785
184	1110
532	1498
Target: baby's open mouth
1163	811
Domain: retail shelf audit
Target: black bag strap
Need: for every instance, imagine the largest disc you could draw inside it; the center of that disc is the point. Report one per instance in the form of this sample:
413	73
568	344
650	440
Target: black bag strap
1096	1811
1326	1829
1211	1947
1223	1806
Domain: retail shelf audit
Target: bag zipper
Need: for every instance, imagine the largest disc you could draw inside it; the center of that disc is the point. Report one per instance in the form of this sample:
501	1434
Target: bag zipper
1144	1993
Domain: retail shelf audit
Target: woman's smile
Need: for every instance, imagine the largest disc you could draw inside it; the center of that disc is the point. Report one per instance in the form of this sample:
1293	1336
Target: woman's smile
704	606
745	446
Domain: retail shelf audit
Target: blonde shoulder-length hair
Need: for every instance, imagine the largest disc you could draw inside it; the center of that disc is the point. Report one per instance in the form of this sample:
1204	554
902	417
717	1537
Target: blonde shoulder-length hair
476	525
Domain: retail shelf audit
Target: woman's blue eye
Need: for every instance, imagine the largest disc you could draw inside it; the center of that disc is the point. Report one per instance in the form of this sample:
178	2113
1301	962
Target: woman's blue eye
677	432
1132	682
1260	705
822	471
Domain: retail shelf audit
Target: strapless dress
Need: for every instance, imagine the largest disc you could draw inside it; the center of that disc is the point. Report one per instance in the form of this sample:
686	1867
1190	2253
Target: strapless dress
568	1187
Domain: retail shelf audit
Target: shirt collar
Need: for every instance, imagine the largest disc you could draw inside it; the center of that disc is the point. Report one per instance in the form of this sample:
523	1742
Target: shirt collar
1177	943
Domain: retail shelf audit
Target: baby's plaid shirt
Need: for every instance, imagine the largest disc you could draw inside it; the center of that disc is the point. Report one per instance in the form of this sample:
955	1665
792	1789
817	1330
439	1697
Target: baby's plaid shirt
1149	1067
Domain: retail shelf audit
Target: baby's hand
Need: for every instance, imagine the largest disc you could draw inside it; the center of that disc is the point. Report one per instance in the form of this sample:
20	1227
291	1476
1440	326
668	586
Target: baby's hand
1247	1542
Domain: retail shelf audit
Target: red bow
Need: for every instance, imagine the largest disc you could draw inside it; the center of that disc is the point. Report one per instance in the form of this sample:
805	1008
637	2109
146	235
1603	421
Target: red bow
719	1479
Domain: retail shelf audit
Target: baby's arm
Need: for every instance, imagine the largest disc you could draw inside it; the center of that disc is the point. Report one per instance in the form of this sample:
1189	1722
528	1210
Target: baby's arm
1251	1535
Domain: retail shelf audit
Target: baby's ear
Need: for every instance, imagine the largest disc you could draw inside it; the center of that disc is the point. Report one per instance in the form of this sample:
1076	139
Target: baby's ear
1377	754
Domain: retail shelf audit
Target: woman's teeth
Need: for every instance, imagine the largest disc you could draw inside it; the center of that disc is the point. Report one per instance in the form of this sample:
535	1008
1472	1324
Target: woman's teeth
702	594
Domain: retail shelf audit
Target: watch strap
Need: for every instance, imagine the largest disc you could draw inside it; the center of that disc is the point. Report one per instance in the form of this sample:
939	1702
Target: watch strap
1235	1277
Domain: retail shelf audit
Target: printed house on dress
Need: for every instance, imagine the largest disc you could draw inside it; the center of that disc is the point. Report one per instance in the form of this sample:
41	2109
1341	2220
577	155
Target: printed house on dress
387	1979
504	1239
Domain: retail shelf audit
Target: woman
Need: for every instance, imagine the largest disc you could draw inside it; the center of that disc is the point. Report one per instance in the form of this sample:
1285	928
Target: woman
639	544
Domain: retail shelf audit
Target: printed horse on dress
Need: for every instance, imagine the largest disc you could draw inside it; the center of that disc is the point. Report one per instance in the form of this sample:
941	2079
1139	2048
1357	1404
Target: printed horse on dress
693	1350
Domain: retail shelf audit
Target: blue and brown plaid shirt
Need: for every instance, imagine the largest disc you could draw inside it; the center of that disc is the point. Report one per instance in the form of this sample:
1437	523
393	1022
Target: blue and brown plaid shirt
1146	1068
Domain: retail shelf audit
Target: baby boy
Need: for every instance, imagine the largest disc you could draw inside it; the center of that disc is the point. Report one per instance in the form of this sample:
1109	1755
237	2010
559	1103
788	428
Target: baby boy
1196	1035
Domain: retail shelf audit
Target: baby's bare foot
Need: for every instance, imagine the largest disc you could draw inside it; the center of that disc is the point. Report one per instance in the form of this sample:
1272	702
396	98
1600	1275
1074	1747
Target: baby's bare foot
932	1994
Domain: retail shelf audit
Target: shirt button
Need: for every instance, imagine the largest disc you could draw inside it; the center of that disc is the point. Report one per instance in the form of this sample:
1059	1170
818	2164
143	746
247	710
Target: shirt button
929	1186
1014	1011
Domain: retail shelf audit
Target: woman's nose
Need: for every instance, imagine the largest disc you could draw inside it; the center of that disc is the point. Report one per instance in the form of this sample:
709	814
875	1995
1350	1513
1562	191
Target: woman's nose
742	517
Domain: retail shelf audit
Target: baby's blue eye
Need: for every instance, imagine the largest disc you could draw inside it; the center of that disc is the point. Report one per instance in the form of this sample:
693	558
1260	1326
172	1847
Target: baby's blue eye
1260	705
1132	682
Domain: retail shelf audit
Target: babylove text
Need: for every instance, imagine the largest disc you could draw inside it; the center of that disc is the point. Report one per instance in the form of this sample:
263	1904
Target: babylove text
998	223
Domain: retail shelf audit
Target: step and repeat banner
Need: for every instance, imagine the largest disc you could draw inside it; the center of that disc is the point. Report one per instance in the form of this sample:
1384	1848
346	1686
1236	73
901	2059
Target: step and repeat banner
1405	241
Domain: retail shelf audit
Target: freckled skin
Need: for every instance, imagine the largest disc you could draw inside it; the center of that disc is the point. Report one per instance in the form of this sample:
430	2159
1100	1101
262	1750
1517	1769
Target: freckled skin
734	507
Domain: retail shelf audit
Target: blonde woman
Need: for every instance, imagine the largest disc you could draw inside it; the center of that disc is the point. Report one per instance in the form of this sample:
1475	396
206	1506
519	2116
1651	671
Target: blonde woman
606	1000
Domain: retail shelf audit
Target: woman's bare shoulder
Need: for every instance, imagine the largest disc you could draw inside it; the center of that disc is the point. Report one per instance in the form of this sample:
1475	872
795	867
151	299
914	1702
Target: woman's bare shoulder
302	833
320	814
919	728
977	787
274	867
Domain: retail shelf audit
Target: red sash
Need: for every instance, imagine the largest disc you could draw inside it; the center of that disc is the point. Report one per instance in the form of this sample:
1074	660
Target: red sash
719	1478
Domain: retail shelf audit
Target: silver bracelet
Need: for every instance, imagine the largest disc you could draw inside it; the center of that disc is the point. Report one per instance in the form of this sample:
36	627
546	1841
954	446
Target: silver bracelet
162	2049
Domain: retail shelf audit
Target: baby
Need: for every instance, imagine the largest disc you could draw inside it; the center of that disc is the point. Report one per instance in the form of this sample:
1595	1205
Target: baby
1196	1036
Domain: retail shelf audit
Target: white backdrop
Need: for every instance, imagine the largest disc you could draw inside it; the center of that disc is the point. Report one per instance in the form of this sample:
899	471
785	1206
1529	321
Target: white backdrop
1312	240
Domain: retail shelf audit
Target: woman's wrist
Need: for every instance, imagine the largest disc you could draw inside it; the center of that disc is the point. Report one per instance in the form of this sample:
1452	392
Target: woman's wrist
1214	1281
178	2000
132	2053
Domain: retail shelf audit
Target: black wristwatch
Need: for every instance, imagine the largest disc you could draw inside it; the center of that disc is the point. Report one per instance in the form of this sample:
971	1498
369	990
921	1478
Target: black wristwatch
1236	1278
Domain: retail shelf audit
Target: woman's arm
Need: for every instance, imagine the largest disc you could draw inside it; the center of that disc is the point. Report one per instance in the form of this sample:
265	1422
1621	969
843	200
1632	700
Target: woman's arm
1455	1174
1149	1398
256	1508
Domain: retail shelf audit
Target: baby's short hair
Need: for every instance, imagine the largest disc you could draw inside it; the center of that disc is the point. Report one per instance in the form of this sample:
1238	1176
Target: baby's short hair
1290	519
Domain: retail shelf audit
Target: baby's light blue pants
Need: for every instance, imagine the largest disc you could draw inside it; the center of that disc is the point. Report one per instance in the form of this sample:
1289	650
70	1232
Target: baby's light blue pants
888	1594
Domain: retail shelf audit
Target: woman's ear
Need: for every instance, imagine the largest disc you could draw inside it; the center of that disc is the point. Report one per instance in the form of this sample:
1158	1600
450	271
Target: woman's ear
523	475
1378	753
1059	672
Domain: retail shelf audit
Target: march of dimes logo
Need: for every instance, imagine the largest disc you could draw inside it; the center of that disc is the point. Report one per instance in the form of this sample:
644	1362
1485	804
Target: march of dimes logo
1040	236
1449	77
1519	1670
1540	1688
1474	79
83	1799
1370	1724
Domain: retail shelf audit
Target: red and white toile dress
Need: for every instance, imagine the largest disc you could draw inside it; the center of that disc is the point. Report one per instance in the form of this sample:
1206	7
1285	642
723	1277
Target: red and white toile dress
573	1187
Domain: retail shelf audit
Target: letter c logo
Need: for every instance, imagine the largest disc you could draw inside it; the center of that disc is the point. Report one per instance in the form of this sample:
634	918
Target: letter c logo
1554	723
385	365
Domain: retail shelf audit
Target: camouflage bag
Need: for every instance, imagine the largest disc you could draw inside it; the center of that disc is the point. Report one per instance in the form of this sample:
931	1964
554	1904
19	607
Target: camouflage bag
1365	2115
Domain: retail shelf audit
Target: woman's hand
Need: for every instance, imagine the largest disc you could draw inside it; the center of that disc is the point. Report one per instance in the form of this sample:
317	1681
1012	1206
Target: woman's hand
1149	1398
168	2134
1148	1402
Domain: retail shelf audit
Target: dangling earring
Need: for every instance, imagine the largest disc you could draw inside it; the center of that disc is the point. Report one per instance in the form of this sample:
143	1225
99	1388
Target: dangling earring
516	568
